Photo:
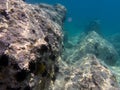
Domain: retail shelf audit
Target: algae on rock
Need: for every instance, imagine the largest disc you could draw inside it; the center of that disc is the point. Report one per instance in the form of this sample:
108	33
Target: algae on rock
30	43
88	73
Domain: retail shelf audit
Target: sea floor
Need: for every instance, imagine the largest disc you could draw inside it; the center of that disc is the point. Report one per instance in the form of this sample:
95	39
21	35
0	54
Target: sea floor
74	41
116	71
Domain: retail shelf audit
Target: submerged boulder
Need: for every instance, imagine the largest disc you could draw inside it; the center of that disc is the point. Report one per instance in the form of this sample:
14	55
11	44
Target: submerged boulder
93	43
86	74
30	43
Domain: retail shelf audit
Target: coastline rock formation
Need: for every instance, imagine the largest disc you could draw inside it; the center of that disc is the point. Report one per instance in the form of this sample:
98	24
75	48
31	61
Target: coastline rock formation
30	43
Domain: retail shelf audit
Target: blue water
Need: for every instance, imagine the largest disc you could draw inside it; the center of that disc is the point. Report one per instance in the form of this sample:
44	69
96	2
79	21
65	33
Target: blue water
83	11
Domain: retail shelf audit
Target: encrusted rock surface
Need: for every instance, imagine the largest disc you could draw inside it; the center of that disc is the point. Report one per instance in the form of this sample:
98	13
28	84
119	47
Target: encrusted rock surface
30	43
93	43
86	74
30	49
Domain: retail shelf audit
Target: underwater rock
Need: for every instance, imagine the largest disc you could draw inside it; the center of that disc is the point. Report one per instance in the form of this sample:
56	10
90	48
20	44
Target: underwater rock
58	17
93	43
116	71
30	43
86	74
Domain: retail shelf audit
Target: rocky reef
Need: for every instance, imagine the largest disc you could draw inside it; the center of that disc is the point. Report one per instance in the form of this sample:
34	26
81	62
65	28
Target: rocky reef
90	65
30	43
93	43
86	74
31	46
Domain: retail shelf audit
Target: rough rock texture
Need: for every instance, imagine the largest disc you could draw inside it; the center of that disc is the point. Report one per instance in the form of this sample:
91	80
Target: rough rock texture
93	43
30	43
30	46
86	74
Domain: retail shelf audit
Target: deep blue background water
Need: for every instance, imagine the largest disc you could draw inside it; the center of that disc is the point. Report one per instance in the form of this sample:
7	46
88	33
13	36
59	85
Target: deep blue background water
83	11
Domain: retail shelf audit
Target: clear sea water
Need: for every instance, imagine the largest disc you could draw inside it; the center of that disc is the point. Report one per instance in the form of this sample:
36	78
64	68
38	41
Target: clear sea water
80	12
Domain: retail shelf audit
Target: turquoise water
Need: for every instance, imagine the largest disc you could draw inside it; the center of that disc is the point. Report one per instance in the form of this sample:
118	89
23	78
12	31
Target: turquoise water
82	11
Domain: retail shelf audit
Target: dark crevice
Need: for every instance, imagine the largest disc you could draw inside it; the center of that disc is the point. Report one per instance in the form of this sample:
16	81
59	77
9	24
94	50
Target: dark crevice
46	39
32	66
33	31
16	66
4	60
27	88
11	88
53	78
43	49
21	75
52	57
4	13
45	73
56	69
